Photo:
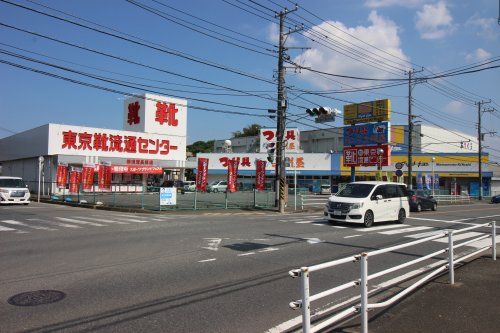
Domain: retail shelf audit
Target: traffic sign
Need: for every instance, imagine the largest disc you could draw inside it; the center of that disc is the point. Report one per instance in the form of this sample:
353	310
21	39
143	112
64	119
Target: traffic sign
399	165
399	172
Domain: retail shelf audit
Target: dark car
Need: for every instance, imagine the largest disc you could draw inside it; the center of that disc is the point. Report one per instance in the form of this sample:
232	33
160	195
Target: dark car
495	199
419	201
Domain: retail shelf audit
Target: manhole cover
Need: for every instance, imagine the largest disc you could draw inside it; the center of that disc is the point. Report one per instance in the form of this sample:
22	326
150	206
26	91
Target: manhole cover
38	297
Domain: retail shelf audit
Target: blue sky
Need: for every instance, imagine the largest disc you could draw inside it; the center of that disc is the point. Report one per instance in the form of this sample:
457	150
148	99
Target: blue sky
438	35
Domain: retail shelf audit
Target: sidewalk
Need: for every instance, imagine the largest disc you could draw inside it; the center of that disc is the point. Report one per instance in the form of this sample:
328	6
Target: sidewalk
471	305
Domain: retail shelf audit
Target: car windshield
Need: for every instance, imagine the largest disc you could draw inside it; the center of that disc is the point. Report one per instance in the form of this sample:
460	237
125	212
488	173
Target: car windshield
12	183
356	190
215	182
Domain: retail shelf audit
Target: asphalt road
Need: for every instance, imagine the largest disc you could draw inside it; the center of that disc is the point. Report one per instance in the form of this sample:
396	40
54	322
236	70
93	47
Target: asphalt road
210	272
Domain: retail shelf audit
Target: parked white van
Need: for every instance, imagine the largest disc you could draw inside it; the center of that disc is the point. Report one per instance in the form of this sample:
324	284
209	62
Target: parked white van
369	202
13	190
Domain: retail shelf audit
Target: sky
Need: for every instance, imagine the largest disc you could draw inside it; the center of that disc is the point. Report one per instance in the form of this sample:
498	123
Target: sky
378	39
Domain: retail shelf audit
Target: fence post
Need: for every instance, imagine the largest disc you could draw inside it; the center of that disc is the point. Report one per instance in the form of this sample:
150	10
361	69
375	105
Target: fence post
451	261
93	190
254	198
142	198
225	200
364	292
114	196
306	306
493	240
301	202
195	197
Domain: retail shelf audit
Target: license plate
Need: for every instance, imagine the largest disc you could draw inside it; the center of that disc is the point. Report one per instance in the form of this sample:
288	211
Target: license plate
337	212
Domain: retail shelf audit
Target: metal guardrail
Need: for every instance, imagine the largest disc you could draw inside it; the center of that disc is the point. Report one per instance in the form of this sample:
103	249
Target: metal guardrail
313	200
453	198
363	307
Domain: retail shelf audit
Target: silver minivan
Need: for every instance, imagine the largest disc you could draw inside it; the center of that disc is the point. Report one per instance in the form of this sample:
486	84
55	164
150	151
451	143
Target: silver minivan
13	190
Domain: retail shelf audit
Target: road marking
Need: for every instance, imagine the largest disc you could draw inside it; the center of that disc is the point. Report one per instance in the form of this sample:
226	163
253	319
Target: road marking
213	244
207	260
65	225
443	221
269	249
306	221
2	228
100	220
392	226
352	236
27	225
338	227
246	254
135	221
314	240
401	231
482	243
65	219
479	217
425	234
460	237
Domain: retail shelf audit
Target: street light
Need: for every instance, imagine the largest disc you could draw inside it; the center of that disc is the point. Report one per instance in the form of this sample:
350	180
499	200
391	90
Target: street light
433	177
40	166
380	151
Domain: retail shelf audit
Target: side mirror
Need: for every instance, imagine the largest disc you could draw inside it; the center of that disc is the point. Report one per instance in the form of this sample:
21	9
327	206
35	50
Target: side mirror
379	197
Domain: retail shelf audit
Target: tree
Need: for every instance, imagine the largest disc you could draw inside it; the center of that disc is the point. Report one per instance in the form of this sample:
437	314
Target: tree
250	130
201	147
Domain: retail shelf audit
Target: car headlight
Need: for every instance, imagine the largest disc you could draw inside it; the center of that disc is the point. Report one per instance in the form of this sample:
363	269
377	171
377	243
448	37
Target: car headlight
357	205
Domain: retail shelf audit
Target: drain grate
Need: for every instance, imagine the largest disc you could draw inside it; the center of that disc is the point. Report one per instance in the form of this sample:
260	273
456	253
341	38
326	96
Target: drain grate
37	297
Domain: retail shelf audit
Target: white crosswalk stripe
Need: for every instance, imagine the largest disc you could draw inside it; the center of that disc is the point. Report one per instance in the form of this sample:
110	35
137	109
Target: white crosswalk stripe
59	224
483	243
65	219
425	234
402	231
458	237
391	226
13	222
100	220
2	228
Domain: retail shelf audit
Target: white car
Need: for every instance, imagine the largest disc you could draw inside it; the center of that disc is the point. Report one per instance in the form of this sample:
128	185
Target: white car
189	186
13	190
217	186
369	202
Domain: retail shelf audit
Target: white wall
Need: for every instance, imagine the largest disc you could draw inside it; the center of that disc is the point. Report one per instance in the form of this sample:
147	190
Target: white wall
433	139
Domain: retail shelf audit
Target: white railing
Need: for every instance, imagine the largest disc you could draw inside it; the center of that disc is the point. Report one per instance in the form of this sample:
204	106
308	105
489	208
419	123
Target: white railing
453	198
363	306
313	200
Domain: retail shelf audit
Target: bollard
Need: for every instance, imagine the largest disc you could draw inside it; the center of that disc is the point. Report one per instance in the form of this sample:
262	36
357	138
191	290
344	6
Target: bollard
305	306
493	240
364	292
451	261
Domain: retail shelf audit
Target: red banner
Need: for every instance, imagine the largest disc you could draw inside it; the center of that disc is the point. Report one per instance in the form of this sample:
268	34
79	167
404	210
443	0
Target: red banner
137	169
232	175
367	155
104	177
73	181
260	175
202	174
62	175
87	177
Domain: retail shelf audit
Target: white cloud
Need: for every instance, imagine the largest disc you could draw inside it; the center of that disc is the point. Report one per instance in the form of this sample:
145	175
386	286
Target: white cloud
273	34
486	26
434	21
477	55
390	3
381	32
455	107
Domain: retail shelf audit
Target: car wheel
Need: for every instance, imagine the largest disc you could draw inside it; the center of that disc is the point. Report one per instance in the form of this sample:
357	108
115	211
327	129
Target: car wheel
419	208
216	190
368	221
434	206
401	216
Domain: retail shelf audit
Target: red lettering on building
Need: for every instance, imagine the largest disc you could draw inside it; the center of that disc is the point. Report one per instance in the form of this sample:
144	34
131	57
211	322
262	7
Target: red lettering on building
130	144
115	142
101	142
69	140
166	114
85	140
133	113
269	135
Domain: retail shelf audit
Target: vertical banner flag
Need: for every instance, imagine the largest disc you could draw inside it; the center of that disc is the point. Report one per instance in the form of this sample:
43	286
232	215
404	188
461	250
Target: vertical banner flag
232	175
87	177
202	174
62	175
420	186
427	181
104	177
260	175
436	181
73	181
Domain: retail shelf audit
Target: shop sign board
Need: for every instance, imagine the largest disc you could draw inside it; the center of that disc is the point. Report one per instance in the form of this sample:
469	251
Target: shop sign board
87	141
367	134
291	137
202	174
260	175
367	155
232	175
367	112
156	114
62	175
137	169
87	177
168	196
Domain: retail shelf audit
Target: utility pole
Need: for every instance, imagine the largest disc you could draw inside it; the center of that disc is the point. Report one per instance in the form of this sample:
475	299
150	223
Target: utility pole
281	113
480	146
410	127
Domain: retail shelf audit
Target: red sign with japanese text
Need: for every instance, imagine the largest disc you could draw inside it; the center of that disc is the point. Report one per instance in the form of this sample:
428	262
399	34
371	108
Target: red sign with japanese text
137	169
73	181
87	177
232	175
62	175
104	177
260	175
367	156
202	174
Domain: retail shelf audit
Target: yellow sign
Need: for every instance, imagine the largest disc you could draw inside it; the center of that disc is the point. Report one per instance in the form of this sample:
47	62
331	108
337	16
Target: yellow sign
367	112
